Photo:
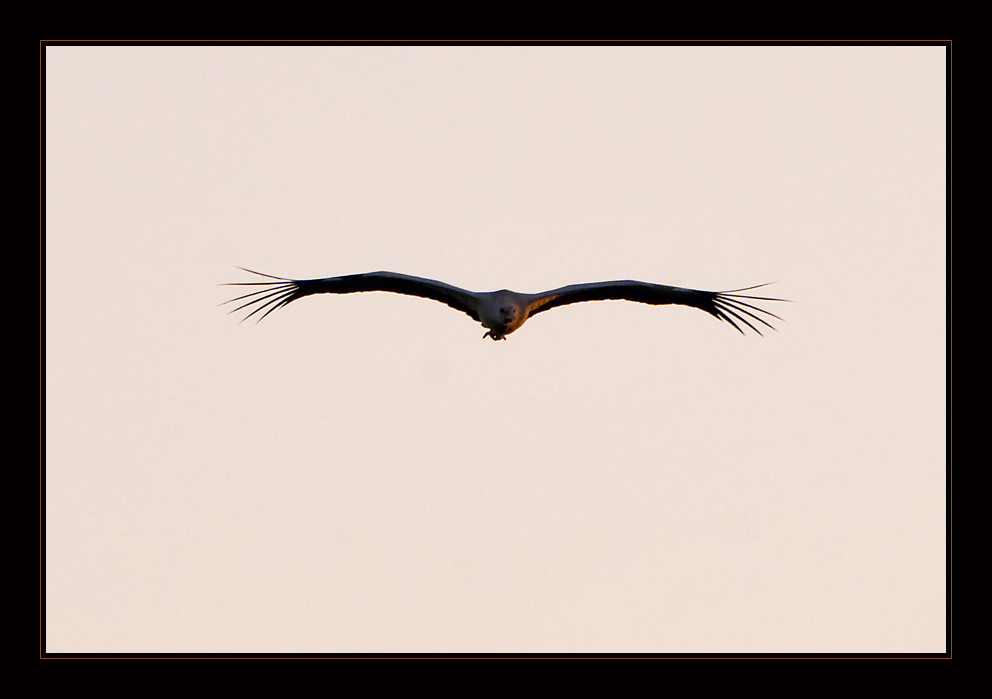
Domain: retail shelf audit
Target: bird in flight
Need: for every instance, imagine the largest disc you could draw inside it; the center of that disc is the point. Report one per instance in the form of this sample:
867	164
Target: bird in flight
503	312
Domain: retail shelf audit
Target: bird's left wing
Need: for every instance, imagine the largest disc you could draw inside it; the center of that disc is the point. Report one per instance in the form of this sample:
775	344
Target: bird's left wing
277	293
724	305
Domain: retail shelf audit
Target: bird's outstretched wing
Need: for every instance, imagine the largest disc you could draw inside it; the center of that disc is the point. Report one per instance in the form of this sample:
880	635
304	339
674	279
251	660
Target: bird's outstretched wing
277	293
725	305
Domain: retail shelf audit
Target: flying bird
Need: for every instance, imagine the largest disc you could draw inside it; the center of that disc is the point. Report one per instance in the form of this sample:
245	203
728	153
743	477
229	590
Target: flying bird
503	312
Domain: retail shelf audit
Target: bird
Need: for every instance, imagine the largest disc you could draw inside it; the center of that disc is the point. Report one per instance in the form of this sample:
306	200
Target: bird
503	312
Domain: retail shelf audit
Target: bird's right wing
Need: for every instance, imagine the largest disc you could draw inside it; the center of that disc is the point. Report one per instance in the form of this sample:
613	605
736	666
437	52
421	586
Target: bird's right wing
724	305
277	293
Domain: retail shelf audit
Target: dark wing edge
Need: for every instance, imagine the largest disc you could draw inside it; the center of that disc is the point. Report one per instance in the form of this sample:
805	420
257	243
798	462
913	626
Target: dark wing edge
727	305
277	293
730	306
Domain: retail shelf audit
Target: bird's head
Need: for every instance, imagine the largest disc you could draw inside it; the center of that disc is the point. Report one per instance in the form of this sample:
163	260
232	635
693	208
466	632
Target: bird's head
508	314
502	312
506	322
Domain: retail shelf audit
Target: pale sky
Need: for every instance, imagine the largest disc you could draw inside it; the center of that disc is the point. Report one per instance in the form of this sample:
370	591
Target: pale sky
365	473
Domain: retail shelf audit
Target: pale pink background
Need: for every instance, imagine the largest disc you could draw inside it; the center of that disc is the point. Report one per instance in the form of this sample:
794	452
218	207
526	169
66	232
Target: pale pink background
366	474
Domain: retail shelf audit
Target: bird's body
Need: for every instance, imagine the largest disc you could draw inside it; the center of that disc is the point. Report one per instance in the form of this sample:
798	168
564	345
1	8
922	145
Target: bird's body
503	312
